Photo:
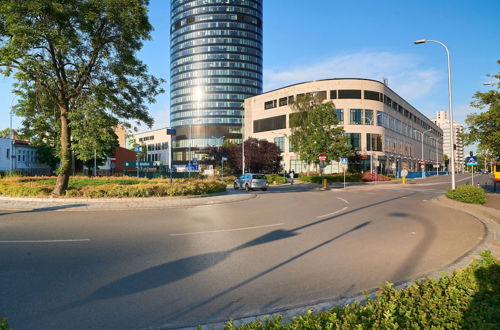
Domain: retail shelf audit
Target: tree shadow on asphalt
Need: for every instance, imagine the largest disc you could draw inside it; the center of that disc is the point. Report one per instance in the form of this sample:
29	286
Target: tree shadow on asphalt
46	209
176	270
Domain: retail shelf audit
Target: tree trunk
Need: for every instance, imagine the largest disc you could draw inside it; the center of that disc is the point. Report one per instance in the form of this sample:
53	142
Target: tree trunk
65	165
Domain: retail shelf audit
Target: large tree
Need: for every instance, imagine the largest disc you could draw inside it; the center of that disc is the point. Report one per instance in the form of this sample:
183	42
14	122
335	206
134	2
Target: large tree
76	59
315	130
484	128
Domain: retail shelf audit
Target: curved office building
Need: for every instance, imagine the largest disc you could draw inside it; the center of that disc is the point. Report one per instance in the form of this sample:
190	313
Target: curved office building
215	63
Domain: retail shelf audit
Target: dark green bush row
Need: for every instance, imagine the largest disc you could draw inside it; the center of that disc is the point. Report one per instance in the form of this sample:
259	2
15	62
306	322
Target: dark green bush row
467	194
111	187
332	178
468	299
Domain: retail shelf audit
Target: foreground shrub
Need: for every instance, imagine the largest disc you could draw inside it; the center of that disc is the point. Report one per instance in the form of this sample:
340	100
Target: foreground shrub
466	299
331	178
370	177
111	187
467	194
3	323
276	179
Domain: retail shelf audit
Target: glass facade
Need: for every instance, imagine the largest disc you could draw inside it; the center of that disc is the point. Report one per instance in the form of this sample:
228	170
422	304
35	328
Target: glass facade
216	63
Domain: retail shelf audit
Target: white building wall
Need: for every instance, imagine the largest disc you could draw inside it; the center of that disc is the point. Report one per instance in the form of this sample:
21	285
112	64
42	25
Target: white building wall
442	121
25	158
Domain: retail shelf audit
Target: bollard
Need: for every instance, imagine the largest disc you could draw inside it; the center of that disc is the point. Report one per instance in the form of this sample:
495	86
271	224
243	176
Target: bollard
404	180
324	183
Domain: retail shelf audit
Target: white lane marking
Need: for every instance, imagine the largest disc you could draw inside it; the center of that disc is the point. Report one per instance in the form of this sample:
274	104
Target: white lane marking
50	241
343	200
227	230
326	215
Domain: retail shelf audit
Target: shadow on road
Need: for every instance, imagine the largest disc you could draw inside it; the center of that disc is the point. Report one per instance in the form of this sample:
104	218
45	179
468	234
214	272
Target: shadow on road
173	271
46	209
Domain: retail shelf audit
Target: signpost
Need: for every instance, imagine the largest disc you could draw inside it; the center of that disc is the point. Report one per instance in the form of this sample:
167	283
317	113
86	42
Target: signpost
404	174
222	160
137	149
322	165
344	162
471	161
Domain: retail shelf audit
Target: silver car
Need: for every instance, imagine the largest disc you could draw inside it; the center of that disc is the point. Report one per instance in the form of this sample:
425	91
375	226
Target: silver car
250	181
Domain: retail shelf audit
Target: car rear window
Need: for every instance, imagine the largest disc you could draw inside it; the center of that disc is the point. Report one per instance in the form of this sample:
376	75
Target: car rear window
259	176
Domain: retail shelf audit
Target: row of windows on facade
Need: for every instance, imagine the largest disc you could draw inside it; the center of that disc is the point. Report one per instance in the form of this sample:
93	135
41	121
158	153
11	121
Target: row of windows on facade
353	94
215	64
216	57
215	41
215	73
373	142
215	33
217	9
357	117
218	80
180	6
215	49
216	25
242	18
216	89
155	146
23	155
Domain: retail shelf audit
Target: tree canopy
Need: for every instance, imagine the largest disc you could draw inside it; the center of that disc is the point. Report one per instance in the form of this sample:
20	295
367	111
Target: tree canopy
76	70
315	130
484	128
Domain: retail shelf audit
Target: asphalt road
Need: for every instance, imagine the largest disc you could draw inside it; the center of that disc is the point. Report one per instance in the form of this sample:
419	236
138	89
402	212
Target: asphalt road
167	268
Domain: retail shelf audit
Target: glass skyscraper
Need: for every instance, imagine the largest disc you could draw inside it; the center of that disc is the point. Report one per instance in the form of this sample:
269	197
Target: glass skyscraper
215	63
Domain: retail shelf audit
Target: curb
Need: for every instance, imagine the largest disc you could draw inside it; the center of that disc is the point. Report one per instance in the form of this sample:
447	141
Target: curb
113	204
484	214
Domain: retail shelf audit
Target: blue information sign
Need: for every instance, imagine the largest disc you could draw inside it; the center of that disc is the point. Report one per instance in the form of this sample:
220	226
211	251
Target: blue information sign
344	161
471	161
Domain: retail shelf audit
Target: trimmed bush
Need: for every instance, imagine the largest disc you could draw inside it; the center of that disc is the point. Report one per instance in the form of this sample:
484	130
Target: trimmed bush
275	178
370	177
111	187
467	194
467	299
331	178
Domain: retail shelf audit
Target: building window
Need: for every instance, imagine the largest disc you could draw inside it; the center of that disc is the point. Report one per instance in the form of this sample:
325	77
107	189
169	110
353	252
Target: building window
269	124
373	142
290	99
283	101
380	118
349	94
369	117
354	139
8	153
333	95
356	117
371	95
320	95
340	115
280	142
270	105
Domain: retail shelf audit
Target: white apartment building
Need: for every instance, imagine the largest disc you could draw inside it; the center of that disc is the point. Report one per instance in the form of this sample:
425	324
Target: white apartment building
156	144
24	158
443	122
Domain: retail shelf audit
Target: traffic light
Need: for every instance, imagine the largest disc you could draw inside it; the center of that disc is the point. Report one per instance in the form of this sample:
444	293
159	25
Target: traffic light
471	153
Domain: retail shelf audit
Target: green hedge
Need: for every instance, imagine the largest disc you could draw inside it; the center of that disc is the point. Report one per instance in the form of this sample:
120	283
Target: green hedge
111	187
331	178
469	299
467	194
275	178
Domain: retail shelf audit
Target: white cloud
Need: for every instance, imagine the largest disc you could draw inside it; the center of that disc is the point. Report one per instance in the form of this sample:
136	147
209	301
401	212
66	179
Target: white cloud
405	75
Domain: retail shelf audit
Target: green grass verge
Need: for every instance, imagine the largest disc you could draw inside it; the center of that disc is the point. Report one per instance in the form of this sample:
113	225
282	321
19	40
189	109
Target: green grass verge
110	187
468	299
467	194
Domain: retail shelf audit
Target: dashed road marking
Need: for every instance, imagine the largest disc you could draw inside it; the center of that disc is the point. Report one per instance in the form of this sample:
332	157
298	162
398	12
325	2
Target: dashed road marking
343	200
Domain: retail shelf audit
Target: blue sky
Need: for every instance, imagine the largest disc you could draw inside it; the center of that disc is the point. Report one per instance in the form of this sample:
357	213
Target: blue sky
317	39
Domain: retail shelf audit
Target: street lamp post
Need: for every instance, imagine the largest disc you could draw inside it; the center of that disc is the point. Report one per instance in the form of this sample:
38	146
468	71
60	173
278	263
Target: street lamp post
243	142
371	147
452	131
198	94
437	156
422	159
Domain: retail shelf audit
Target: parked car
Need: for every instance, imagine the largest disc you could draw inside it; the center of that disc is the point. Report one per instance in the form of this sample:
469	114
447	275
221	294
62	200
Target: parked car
250	181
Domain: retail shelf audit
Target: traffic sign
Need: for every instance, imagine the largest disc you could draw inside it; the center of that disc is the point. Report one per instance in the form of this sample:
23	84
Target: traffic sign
422	162
171	131
471	161
322	164
322	157
404	172
344	161
224	158
195	161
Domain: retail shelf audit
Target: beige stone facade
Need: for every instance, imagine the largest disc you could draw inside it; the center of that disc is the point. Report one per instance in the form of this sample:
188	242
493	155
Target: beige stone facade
156	143
379	124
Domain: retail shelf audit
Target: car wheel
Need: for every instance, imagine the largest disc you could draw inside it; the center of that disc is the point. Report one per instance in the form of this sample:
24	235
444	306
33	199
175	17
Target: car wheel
247	188
235	186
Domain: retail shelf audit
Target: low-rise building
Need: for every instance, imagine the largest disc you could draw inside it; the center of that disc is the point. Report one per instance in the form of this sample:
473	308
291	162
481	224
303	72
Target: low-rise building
378	122
21	157
155	143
